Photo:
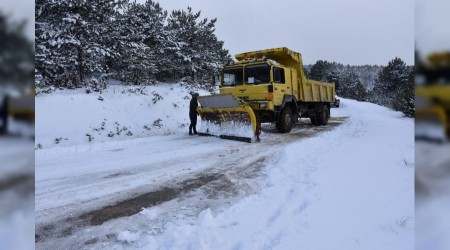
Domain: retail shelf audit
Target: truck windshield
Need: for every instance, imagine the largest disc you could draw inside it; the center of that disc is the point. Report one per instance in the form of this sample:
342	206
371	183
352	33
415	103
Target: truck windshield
233	76
433	76
257	74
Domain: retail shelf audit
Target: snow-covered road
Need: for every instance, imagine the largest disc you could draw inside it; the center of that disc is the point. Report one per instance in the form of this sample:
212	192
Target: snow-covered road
432	195
72	180
355	193
348	185
16	193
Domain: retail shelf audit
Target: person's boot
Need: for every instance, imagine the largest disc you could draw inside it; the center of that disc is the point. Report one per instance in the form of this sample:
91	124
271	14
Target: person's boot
190	133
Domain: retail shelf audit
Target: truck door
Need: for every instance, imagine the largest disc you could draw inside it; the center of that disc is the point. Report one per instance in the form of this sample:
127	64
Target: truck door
294	82
289	71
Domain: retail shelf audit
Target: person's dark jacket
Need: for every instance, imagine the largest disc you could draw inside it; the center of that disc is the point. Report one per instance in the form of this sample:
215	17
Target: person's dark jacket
193	107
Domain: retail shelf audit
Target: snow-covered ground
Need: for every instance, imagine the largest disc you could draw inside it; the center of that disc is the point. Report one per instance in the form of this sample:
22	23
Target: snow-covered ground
432	196
348	185
16	193
72	117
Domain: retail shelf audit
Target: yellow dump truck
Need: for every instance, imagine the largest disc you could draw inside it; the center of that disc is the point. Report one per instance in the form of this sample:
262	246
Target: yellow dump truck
266	86
433	98
17	108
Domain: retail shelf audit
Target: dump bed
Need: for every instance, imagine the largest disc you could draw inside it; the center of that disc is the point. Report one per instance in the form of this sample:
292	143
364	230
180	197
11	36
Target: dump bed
315	91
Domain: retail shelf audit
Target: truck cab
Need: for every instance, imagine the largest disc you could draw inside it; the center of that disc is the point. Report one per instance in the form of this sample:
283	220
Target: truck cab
260	83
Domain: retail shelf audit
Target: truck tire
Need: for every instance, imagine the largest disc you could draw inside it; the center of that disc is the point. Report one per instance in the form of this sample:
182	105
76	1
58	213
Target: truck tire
313	120
323	115
284	125
294	118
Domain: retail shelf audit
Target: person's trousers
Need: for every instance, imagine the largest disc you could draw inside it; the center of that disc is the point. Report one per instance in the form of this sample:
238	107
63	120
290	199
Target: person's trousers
193	125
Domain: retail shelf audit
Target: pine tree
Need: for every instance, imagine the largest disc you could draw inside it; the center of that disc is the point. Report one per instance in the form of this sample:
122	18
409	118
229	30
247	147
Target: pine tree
182	26
404	100
198	54
16	52
138	43
351	87
321	70
395	86
72	38
142	41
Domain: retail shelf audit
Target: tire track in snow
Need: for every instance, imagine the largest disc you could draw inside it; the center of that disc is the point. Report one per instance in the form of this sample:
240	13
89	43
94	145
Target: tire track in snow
237	163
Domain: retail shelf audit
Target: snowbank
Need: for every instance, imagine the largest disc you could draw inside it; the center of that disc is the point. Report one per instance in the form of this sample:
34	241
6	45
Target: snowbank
16	193
432	196
72	117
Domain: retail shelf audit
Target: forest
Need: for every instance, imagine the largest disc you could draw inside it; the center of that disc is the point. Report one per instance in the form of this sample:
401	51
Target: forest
142	44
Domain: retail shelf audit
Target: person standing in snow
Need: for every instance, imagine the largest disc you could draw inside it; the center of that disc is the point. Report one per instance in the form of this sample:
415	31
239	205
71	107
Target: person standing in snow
4	116
193	114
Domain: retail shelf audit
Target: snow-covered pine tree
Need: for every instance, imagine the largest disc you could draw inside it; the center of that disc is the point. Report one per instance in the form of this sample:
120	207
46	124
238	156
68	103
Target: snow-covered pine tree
72	38
404	100
16	53
393	87
55	61
327	72
320	71
142	39
367	74
198	53
212	56
351	87
330	72
137	42
182	27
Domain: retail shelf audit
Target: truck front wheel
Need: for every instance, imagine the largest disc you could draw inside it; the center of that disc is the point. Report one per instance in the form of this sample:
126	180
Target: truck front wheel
284	125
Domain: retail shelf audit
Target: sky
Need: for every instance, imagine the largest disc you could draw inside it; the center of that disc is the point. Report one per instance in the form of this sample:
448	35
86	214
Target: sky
352	32
432	32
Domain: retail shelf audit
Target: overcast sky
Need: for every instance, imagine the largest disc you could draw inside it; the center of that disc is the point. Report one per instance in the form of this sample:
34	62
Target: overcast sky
347	31
432	26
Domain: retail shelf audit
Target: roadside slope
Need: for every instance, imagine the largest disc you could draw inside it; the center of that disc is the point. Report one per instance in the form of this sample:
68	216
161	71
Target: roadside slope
72	117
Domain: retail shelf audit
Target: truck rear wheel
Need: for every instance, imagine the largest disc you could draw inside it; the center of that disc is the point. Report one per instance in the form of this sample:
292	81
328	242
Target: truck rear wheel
313	120
294	118
323	115
284	125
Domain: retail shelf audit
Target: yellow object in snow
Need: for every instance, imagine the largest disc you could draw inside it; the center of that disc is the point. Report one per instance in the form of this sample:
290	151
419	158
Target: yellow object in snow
433	97
271	87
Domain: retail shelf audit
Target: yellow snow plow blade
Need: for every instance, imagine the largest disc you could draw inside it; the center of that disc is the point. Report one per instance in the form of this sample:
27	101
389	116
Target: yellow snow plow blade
227	117
431	123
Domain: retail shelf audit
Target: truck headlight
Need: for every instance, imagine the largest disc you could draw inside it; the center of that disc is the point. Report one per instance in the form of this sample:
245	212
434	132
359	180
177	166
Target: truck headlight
263	105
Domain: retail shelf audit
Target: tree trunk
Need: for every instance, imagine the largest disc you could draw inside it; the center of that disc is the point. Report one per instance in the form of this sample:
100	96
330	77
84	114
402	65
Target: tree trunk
80	61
